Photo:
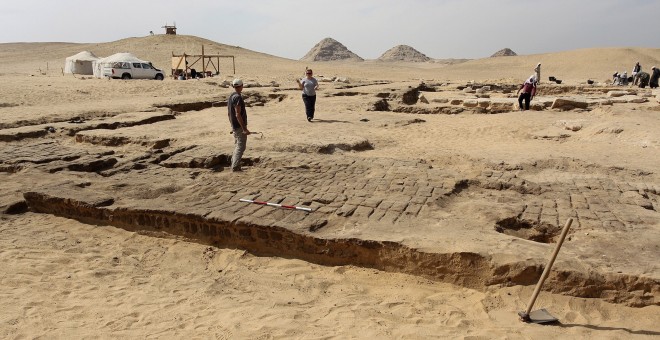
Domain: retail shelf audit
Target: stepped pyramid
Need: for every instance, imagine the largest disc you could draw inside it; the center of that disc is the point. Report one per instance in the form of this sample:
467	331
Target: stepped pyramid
403	53
330	49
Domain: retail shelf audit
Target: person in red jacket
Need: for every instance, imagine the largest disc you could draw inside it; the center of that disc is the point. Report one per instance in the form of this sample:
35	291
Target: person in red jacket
527	92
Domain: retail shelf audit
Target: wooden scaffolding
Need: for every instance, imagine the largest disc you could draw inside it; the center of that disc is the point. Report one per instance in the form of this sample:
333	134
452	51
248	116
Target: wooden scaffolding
186	62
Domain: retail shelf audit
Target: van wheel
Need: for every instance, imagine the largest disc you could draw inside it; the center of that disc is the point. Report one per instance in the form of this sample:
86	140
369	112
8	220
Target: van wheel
159	76
126	76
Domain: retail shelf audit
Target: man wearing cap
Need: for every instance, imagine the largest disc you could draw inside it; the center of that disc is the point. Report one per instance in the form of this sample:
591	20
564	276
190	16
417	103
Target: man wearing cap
238	121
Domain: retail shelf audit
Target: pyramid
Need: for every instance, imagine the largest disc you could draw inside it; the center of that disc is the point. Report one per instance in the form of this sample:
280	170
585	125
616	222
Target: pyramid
506	52
330	49
403	53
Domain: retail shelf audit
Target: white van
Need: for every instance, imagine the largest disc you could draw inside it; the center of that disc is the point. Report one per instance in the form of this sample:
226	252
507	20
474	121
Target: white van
132	70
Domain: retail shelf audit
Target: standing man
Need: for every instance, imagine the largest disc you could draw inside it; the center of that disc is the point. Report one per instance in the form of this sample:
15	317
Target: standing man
537	70
238	121
635	73
309	85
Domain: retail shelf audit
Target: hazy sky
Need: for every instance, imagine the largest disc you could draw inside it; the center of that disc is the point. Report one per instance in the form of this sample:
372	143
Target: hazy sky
290	28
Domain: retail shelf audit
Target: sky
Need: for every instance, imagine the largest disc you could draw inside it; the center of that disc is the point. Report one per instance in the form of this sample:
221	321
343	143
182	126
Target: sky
290	28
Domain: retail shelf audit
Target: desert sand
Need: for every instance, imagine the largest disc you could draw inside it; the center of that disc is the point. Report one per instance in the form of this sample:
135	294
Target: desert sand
436	203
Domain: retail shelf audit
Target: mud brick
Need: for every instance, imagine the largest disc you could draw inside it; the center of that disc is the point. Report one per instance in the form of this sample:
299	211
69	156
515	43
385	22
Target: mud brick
326	210
526	216
386	204
395	188
629	218
410	182
418	200
399	206
586	214
623	187
413	209
326	198
334	189
613	225
549	204
363	212
640	186
409	191
377	214
566	212
354	201
563	202
549	219
335	204
426	191
599	208
508	176
605	215
533	209
346	210
580	205
493	184
359	185
390	216
372	202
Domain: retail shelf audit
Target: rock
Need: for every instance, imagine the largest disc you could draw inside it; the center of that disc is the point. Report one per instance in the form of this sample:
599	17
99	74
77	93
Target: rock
440	100
568	104
456	102
617	93
483	103
637	100
423	99
470	103
468	90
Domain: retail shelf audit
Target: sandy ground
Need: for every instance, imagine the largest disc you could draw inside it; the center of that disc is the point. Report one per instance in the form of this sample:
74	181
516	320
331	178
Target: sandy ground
65	279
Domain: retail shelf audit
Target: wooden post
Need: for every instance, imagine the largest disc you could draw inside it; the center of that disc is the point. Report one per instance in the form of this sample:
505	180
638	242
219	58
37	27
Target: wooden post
203	64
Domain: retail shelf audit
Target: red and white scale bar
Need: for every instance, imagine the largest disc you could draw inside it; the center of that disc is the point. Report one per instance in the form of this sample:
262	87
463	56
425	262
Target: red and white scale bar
276	205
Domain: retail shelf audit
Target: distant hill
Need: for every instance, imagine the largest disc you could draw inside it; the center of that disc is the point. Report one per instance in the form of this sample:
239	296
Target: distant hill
403	53
505	52
330	49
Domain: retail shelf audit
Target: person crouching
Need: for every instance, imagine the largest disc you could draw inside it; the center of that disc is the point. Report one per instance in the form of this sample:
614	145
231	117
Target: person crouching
527	92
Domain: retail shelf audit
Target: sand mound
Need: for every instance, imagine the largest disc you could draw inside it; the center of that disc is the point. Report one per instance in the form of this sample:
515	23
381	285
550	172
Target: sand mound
505	52
330	49
403	53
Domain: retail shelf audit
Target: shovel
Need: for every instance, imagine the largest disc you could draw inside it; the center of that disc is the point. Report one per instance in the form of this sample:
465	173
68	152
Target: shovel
542	316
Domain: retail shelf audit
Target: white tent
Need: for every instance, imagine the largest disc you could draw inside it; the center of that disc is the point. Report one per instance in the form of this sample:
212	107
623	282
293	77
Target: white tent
81	63
115	58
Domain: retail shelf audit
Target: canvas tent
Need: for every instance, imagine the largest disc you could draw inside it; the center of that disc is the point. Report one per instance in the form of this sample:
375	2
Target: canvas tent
81	63
115	58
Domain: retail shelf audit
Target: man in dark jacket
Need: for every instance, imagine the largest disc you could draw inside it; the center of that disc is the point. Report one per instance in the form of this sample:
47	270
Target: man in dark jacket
655	74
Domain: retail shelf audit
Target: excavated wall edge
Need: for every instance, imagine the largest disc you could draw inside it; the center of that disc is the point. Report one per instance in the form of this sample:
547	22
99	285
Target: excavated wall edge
466	269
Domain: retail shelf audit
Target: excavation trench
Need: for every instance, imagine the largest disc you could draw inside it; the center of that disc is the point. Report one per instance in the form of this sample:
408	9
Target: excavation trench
467	269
